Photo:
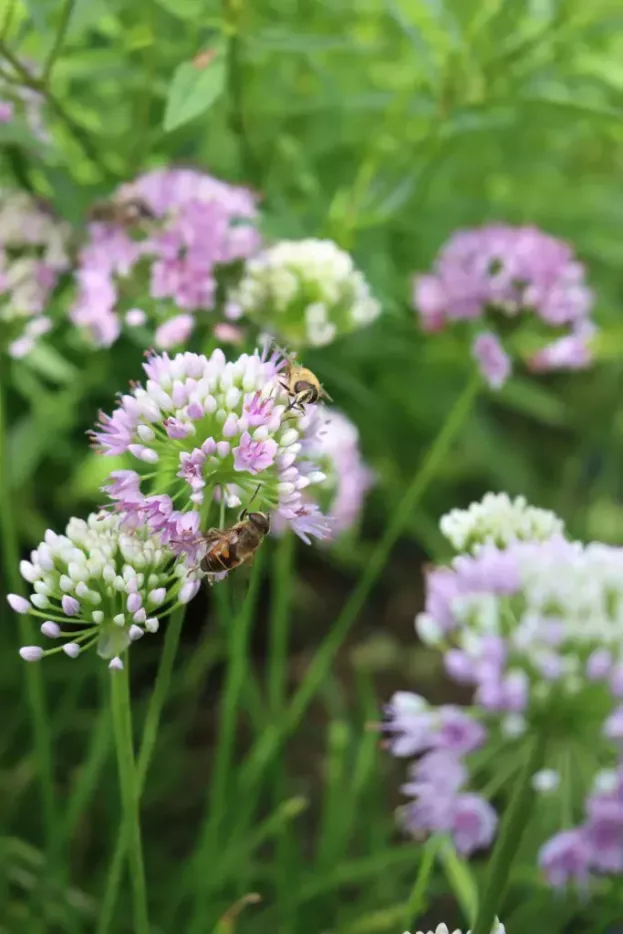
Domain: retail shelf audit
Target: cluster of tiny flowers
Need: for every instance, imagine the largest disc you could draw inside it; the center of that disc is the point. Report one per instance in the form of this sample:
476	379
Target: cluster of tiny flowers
331	440
535	629
308	292
175	259
497	928
98	585
33	254
509	271
499	520
442	738
205	430
596	846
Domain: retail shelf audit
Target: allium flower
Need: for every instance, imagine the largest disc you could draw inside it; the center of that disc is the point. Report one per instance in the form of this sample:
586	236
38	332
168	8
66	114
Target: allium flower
98	585
33	253
331	440
500	272
306	291
536	628
203	429
201	227
499	520
443	737
497	928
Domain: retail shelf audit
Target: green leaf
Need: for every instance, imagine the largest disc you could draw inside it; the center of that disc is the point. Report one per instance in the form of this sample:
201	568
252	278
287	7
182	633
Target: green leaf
48	362
193	11
192	91
529	398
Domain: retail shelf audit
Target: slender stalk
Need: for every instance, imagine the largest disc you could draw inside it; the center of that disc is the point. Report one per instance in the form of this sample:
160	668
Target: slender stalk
281	596
81	136
205	855
148	741
235	86
59	40
130	794
417	898
265	749
42	732
509	839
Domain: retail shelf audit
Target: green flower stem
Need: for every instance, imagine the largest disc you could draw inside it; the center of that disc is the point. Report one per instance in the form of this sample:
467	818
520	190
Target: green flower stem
267	746
417	899
148	741
130	792
42	733
207	853
235	87
59	40
509	839
281	596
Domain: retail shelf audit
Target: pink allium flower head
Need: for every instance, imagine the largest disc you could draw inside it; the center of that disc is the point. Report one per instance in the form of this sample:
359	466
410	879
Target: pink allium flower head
507	271
33	254
533	624
331	440
200	226
215	428
90	585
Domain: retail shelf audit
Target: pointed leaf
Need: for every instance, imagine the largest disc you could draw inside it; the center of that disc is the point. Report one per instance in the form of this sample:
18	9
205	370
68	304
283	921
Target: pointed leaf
192	91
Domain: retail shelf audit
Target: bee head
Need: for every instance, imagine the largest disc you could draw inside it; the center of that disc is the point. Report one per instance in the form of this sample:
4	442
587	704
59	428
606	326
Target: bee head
260	520
307	391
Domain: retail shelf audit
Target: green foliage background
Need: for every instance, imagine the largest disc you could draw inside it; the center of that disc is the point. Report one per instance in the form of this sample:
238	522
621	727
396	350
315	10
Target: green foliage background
384	124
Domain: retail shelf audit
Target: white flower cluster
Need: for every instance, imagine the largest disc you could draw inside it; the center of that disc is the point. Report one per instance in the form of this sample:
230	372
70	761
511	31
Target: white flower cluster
98	585
33	253
537	620
306	291
499	520
497	928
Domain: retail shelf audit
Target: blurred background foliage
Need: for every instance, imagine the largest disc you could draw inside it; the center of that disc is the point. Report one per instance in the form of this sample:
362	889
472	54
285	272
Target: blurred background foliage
384	124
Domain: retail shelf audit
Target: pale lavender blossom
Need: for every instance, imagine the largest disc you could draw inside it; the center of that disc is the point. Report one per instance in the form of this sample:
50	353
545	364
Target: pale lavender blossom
443	737
224	430
201	227
534	627
100	586
503	271
331	440
493	361
34	247
7	111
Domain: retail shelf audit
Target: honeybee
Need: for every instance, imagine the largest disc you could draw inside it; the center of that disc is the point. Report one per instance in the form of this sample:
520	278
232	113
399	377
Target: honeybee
303	386
227	549
125	212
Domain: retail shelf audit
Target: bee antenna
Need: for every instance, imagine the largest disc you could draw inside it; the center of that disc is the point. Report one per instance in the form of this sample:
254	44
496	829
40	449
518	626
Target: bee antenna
246	508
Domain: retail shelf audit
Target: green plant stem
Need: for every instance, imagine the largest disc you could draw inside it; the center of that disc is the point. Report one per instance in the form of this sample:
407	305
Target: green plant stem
206	853
509	839
59	40
417	898
235	85
281	596
265	749
130	794
42	732
81	136
148	741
